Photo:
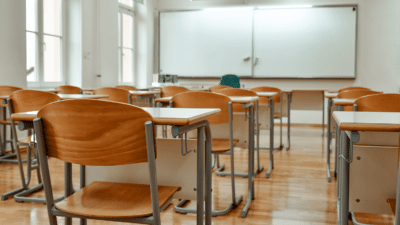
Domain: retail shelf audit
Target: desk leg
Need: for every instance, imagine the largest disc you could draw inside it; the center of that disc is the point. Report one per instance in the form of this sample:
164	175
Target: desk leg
397	213
200	174
289	99
250	191
3	140
82	185
271	137
337	140
323	113
208	175
344	180
259	168
328	142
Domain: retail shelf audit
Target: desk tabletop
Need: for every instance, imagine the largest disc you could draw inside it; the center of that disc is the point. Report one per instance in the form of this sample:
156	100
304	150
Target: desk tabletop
266	94
247	99
161	116
368	121
331	95
344	101
69	96
145	92
80	96
302	90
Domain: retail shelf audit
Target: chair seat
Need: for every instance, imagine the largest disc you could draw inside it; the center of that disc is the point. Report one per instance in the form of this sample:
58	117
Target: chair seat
277	114
114	200
26	140
222	145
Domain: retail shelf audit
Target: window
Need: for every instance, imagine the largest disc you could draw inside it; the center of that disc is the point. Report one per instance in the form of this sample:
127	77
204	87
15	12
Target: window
126	41
44	37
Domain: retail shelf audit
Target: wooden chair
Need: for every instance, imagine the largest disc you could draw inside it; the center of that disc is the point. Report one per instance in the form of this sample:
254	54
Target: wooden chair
356	93
215	88
68	89
24	101
126	87
115	94
170	91
352	88
219	146
378	103
277	99
4	122
123	134
237	107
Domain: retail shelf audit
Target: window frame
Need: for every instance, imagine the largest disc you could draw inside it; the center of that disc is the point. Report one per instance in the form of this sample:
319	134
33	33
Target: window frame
125	9
39	67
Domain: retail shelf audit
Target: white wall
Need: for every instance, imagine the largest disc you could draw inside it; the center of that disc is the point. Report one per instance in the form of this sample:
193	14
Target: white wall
13	43
378	54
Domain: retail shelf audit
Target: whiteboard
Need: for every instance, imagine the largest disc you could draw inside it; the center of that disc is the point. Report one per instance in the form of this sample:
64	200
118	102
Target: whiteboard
206	43
305	42
317	42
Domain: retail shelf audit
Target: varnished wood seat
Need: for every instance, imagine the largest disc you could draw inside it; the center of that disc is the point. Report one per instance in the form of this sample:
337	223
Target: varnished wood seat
6	121
114	94
222	145
170	91
354	94
123	134
114	200
218	87
68	89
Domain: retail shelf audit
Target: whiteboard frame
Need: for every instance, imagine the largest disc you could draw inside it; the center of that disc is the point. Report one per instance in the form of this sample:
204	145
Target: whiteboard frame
252	50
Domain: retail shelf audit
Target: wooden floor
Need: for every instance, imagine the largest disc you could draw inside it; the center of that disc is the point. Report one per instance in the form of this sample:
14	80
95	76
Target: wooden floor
296	193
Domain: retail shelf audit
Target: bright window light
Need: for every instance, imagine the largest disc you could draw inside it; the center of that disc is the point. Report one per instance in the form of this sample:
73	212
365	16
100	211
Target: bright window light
285	7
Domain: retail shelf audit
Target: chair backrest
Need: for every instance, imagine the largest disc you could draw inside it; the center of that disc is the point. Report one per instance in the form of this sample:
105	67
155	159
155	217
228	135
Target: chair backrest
30	100
204	100
126	87
379	103
352	88
114	94
357	93
236	107
170	91
230	80
7	90
95	132
219	87
68	89
277	98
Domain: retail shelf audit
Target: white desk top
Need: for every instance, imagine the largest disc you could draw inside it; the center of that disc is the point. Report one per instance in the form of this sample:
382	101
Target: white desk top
367	121
164	116
343	101
331	95
246	99
266	94
145	92
70	96
79	96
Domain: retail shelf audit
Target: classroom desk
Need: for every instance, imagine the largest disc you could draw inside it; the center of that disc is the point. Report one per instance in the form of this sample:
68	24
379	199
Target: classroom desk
362	184
190	88
303	99
182	120
151	95
247	102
